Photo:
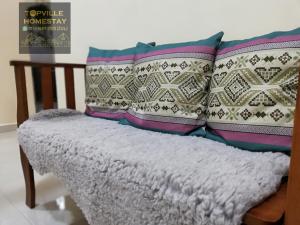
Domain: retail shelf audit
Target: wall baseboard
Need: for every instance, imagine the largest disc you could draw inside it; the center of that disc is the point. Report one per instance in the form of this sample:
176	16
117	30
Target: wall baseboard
6	127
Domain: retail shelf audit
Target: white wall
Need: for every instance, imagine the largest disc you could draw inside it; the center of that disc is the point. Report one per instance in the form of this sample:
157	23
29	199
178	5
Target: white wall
9	41
121	23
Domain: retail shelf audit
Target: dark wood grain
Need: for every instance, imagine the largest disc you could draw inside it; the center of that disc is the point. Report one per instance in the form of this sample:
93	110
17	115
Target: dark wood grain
22	105
292	215
270	211
22	115
47	96
41	64
70	90
47	87
29	180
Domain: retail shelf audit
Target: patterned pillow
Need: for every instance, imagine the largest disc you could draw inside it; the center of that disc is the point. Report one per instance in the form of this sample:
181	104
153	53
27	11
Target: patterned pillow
172	83
110	88
253	91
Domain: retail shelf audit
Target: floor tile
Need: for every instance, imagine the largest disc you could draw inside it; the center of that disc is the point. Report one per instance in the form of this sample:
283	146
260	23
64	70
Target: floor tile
9	215
54	205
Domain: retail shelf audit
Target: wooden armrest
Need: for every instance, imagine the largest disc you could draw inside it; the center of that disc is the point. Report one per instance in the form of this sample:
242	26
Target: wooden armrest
269	212
42	64
285	204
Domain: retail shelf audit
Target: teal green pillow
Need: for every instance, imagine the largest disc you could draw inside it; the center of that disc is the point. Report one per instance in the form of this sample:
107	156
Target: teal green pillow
253	90
172	81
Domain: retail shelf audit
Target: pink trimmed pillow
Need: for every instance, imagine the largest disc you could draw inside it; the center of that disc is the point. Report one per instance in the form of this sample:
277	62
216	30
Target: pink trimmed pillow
172	83
110	86
253	92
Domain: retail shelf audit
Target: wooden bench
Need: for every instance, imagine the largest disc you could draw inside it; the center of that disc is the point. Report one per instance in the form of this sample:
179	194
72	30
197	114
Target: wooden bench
282	207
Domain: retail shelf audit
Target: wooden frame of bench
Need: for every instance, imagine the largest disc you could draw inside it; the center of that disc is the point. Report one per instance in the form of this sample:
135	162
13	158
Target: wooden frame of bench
282	206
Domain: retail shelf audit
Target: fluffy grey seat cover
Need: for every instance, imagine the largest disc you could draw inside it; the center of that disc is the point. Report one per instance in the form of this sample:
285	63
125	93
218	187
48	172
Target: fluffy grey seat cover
118	174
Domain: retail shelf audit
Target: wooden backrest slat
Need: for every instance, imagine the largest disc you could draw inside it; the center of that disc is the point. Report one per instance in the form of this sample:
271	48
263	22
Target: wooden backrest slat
41	64
22	105
46	84
69	85
292	215
47	87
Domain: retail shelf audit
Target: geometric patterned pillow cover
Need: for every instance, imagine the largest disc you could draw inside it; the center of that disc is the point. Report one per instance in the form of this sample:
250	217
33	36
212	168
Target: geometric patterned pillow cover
109	82
172	81
253	91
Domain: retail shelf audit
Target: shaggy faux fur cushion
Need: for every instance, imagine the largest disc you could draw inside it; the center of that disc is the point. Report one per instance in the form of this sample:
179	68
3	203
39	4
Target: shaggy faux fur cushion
122	175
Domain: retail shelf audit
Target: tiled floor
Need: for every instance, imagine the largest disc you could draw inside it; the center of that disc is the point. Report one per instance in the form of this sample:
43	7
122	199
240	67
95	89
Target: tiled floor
54	206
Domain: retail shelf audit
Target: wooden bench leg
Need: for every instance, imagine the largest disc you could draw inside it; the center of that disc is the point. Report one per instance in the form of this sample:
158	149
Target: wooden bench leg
29	180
